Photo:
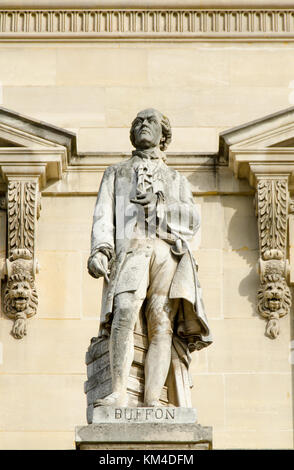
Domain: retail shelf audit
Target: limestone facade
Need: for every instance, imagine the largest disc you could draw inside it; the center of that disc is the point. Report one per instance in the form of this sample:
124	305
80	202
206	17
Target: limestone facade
209	70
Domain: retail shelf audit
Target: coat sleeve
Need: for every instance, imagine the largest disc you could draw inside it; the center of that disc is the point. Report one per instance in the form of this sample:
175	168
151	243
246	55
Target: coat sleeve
181	216
103	228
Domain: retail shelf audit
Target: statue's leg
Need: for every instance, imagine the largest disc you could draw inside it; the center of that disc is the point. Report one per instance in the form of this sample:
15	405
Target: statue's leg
126	309
160	315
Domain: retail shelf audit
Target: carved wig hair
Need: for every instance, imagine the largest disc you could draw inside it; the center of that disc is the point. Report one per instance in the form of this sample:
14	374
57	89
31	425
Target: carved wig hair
166	132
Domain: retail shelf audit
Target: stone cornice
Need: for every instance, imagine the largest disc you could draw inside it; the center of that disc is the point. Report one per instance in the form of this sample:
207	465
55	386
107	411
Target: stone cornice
37	130
139	4
166	22
251	164
44	164
99	161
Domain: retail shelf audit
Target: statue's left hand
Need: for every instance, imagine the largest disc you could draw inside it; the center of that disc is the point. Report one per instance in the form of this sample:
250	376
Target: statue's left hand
144	199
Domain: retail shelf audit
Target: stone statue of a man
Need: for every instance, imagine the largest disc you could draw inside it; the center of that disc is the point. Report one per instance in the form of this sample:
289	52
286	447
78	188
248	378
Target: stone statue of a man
143	219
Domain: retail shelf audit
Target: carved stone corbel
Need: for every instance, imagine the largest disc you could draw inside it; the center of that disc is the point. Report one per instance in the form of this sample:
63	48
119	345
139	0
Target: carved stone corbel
33	155
262	151
272	206
20	299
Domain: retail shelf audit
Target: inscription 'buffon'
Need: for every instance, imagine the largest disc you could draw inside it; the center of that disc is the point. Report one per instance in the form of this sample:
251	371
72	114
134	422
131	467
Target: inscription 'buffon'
144	414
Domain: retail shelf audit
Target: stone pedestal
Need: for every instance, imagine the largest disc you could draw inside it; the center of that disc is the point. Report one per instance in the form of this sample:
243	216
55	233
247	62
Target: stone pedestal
160	428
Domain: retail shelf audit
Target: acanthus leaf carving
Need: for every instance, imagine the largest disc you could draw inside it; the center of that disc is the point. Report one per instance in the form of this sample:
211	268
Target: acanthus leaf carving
272	213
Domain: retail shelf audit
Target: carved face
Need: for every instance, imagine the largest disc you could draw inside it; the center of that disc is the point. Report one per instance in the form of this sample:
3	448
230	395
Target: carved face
147	129
20	295
274	296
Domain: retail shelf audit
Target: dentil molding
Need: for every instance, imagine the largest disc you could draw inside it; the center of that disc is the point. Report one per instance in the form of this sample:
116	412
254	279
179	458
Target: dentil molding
156	4
195	21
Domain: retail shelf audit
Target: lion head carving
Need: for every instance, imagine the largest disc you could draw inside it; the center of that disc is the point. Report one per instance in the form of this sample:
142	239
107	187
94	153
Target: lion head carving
274	301
20	295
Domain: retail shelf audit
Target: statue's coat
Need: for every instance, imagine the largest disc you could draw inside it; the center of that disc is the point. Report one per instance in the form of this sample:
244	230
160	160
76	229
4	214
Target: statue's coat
114	221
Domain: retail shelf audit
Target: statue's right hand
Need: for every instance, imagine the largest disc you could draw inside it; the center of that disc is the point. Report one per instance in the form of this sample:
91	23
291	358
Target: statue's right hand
98	266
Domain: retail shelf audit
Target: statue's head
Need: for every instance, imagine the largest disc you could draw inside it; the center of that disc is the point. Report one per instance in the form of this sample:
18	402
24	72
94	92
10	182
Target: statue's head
150	129
20	295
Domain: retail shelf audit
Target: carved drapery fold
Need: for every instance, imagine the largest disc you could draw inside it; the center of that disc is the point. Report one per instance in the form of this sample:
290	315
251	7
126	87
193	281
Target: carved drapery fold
23	209
20	299
274	296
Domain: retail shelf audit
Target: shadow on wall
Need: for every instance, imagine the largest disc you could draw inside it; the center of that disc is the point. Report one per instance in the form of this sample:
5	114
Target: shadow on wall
241	241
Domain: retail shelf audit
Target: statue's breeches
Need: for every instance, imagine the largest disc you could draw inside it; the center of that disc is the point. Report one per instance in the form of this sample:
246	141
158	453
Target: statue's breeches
154	286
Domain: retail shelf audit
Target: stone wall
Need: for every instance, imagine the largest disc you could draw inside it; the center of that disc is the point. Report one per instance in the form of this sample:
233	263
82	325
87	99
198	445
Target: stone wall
96	88
243	382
